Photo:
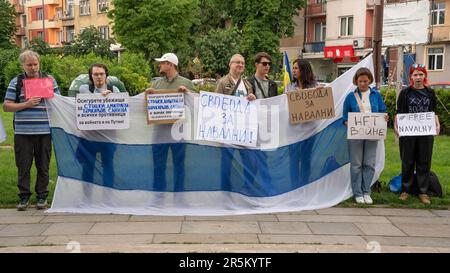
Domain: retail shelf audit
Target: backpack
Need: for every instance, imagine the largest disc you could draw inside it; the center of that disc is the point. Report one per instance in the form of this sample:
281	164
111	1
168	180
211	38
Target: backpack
434	189
108	87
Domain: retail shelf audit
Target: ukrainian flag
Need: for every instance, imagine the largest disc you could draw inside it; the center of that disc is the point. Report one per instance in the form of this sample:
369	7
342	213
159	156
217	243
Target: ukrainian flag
287	72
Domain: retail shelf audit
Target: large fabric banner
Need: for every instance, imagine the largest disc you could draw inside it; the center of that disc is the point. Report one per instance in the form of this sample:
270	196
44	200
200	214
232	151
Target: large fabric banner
160	169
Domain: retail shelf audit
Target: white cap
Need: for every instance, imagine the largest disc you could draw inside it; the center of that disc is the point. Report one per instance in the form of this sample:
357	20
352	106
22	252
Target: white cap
168	57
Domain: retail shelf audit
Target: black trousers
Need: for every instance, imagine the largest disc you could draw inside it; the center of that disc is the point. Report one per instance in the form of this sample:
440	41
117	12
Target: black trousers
27	147
416	153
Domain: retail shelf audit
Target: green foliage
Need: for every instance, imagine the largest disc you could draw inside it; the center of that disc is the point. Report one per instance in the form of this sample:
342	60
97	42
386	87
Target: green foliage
7	24
155	27
389	97
90	41
40	46
215	50
6	56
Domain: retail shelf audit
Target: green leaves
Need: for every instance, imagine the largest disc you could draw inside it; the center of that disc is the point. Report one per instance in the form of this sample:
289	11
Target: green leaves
7	24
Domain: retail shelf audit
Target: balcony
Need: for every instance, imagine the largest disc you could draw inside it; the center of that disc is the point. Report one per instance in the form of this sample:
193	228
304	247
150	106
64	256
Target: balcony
315	47
20	31
315	10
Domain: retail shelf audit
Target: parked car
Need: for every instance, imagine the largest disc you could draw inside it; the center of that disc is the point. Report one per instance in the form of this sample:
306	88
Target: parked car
440	85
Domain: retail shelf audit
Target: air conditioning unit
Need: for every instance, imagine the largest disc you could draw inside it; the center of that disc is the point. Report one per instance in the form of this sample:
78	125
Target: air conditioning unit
358	43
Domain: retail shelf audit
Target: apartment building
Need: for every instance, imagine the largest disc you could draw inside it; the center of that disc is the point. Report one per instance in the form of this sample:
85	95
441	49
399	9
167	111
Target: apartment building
21	22
436	53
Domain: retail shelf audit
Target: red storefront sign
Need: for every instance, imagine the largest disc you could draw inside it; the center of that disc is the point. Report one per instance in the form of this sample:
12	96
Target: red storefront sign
339	51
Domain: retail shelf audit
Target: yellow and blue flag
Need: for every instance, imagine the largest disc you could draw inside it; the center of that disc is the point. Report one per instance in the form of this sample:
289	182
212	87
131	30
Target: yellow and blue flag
287	71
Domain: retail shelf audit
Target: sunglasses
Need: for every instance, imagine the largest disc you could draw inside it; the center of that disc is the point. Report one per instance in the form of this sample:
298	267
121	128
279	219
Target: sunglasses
265	63
418	65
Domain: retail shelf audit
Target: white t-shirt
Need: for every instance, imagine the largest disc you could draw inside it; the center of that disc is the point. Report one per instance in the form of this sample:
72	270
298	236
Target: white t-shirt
241	91
366	101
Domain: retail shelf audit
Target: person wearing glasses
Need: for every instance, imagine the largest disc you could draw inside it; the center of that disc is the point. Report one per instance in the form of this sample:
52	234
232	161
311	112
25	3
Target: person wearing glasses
416	151
261	84
233	84
87	151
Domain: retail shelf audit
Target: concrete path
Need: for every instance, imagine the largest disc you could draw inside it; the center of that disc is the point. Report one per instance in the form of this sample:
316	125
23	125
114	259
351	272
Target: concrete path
327	230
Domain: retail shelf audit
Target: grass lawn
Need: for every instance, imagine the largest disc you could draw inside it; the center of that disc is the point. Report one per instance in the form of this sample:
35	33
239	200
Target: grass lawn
440	165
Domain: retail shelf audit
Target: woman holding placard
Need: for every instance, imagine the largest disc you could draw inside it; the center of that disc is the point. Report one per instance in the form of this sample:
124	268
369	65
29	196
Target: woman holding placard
416	151
362	152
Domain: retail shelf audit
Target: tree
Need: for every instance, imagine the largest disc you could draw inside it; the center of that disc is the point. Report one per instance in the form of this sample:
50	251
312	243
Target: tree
7	23
155	27
40	46
91	41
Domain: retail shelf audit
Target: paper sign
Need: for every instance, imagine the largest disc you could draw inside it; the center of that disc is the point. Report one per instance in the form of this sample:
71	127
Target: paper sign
165	106
97	112
366	126
310	104
416	124
38	87
227	119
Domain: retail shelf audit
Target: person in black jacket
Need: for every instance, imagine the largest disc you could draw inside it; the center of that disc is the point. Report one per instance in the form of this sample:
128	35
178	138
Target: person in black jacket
416	151
262	86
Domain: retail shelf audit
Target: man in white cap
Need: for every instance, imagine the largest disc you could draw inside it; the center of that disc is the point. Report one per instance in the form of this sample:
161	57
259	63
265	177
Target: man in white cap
168	67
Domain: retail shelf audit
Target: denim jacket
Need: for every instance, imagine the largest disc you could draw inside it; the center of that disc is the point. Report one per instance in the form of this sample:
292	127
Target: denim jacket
351	105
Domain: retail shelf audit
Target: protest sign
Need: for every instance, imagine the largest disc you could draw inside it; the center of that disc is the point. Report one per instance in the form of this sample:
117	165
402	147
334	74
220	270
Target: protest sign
2	131
227	119
416	124
97	112
310	104
366	126
164	106
38	87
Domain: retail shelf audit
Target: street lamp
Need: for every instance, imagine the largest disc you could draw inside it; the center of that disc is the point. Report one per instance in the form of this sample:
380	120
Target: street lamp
43	20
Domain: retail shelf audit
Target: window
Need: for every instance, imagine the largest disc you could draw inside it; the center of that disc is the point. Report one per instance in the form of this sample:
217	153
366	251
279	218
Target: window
85	7
60	37
346	26
436	58
104	32
320	30
70	8
40	13
438	14
24	20
102	6
320	1
40	35
70	35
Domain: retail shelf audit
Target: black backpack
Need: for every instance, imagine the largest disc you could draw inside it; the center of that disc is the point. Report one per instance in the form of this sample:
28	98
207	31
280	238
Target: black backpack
434	189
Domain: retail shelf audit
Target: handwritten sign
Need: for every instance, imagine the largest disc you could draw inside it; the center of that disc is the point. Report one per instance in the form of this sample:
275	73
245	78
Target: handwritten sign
96	112
366	126
227	119
166	106
38	87
416	124
310	104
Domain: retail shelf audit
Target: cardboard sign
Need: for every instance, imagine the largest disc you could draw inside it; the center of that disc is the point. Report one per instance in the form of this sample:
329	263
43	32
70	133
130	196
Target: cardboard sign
165	106
310	104
227	119
38	87
366	126
416	124
97	112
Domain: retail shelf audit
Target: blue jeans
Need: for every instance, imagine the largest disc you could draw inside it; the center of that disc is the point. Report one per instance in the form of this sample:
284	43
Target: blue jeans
160	152
362	169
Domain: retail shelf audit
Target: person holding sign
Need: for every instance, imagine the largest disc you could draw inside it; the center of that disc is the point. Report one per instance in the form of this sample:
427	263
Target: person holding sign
32	137
300	169
168	67
362	152
416	151
87	150
233	84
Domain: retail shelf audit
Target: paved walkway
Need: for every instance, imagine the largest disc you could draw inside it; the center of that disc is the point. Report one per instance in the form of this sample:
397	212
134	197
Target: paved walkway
327	230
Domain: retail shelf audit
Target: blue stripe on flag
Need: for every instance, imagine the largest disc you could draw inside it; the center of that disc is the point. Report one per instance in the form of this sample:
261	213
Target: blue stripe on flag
250	172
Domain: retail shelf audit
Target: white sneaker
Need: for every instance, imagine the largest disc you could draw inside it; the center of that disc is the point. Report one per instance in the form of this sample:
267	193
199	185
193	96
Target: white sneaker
368	200
359	200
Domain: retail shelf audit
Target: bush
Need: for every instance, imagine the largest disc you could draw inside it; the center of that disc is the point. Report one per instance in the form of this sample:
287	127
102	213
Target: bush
443	95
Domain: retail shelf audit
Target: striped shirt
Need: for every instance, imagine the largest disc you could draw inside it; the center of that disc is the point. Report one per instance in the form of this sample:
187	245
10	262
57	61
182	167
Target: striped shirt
29	121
